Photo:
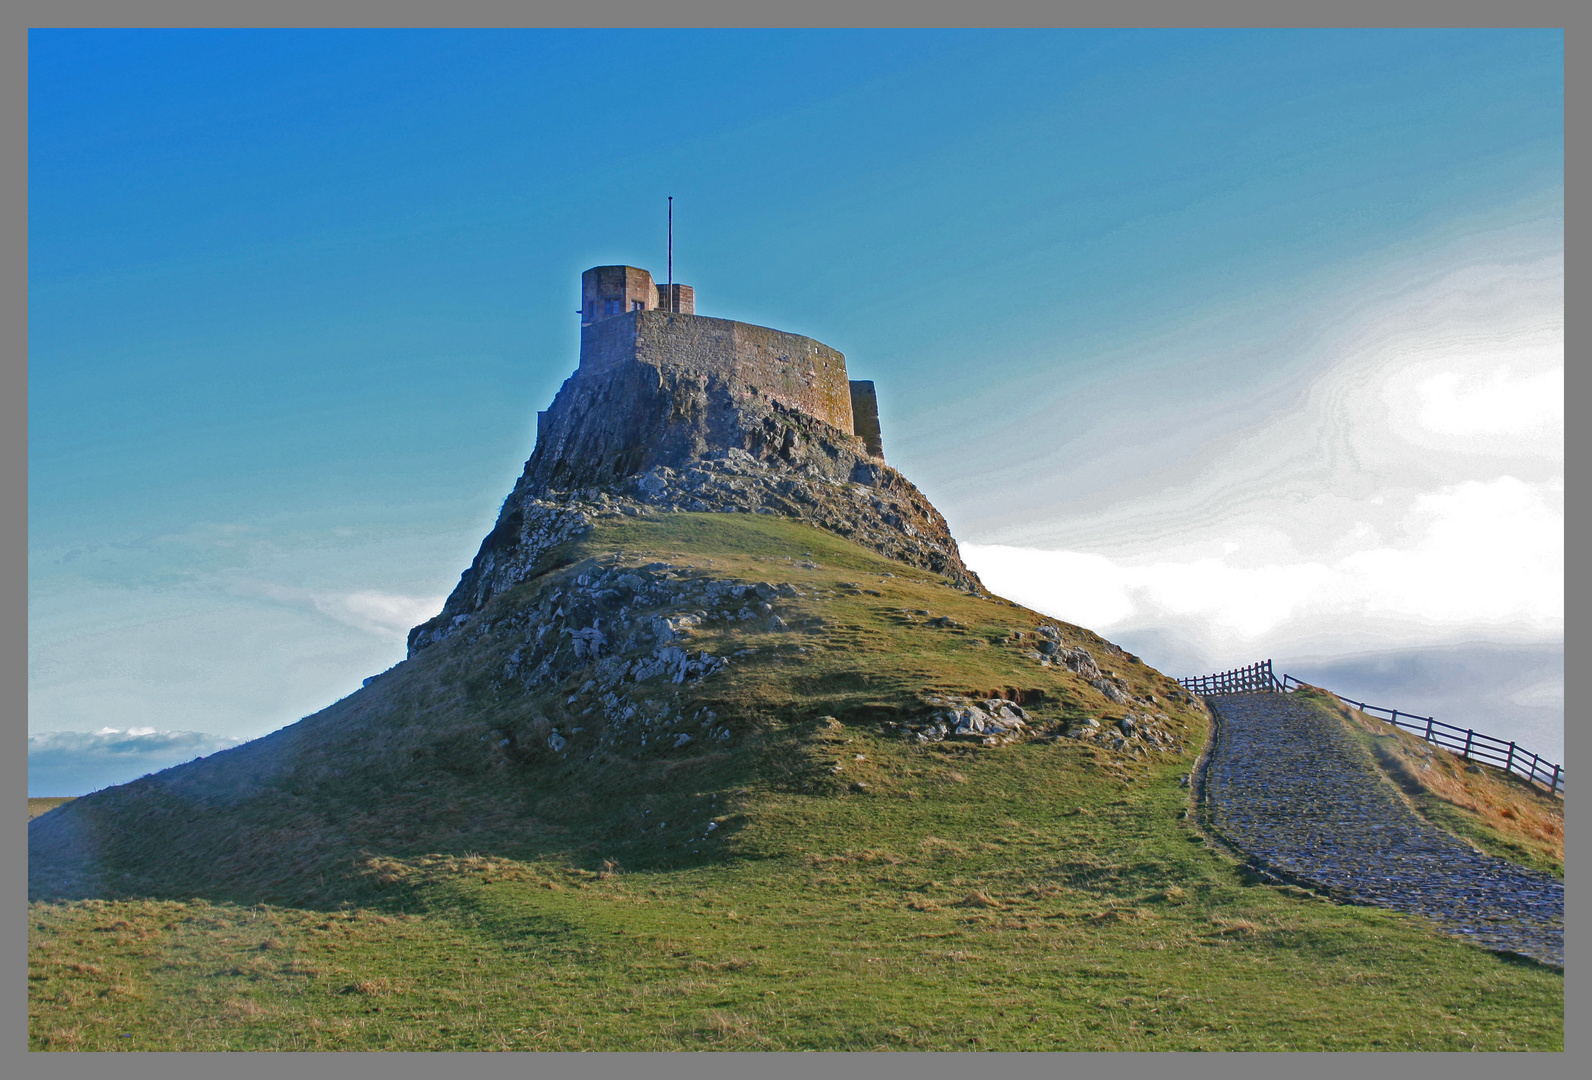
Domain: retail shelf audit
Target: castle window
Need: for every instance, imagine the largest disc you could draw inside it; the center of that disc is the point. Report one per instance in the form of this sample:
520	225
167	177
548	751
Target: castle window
613	307
637	305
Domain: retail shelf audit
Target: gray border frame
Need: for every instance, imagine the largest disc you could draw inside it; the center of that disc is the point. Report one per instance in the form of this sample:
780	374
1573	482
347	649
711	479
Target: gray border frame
691	13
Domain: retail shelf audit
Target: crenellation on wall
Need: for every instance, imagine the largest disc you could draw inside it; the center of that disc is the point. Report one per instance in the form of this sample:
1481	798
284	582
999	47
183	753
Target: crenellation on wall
684	299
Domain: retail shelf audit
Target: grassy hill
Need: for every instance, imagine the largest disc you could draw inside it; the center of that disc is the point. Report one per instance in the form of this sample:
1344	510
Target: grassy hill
470	855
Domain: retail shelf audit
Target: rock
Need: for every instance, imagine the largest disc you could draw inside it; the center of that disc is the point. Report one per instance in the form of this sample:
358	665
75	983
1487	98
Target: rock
1110	690
556	742
1086	728
681	739
1079	661
1128	726
967	719
1008	712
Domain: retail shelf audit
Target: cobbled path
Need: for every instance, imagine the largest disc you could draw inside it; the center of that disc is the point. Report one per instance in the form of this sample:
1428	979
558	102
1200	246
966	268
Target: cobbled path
1291	788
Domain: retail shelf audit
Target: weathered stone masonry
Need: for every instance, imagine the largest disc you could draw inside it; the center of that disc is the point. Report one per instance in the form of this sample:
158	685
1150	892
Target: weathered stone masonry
793	370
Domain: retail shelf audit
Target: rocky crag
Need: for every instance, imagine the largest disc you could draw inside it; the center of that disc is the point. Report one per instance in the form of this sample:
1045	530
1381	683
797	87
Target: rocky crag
653	422
608	628
663	431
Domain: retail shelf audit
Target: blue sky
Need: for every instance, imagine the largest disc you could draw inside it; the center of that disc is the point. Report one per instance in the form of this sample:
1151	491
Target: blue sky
1156	318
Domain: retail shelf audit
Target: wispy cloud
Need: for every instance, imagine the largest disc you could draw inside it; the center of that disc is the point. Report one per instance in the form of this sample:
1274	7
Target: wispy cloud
1413	495
77	762
1407	505
1468	559
385	615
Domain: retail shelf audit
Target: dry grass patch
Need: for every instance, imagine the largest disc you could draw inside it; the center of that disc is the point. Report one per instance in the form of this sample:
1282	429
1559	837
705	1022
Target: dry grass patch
959	956
378	987
866	855
246	1009
978	898
934	847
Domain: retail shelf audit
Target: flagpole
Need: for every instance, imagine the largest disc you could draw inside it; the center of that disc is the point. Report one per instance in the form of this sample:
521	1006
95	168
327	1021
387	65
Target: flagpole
672	305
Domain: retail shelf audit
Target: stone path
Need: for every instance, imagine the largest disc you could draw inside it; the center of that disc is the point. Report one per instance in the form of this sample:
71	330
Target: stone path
1291	788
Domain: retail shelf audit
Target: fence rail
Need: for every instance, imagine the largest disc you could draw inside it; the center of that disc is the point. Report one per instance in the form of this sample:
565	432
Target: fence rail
1463	742
1245	680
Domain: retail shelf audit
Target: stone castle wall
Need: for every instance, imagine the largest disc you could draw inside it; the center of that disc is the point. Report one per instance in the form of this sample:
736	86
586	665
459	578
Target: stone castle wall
865	413
793	370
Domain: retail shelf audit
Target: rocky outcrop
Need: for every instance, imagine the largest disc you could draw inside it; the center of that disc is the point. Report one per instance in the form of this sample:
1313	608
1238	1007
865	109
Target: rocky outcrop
640	438
989	722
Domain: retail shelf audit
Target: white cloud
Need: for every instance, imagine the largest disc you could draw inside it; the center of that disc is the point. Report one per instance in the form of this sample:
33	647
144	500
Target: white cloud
1470	558
1497	403
77	762
134	742
1410	496
388	616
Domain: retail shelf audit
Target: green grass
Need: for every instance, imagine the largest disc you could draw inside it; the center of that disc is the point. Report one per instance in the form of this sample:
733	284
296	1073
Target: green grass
1046	895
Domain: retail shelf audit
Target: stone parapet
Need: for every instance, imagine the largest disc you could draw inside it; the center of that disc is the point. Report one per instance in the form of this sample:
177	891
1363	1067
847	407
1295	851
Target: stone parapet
793	370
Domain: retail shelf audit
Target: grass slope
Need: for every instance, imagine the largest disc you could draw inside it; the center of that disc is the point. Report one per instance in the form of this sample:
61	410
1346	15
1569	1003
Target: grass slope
381	876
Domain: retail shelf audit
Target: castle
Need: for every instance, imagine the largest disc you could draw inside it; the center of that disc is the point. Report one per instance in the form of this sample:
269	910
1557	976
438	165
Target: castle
671	411
626	317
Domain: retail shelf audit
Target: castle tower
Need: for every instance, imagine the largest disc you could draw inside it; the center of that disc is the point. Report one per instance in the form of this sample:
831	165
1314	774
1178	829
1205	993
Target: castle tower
795	371
607	291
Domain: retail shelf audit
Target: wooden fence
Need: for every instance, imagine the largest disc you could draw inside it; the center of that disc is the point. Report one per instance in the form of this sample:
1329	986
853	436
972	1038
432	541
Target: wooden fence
1256	678
1463	742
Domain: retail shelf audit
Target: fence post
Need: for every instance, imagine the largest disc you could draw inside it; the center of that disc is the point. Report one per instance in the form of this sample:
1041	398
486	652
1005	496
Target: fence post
1509	765
1469	735
1558	770
1429	729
